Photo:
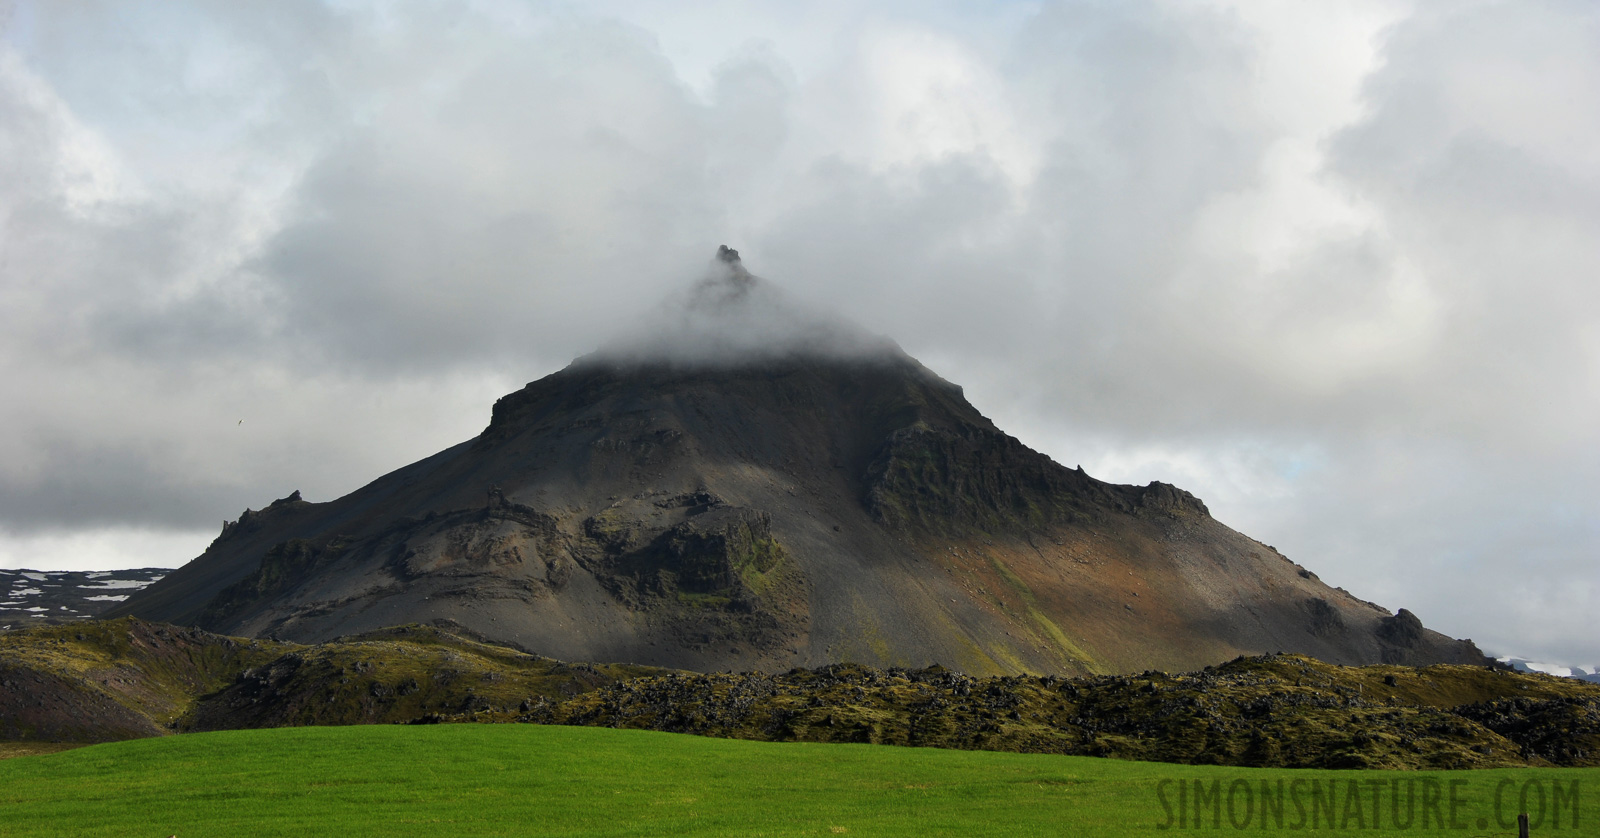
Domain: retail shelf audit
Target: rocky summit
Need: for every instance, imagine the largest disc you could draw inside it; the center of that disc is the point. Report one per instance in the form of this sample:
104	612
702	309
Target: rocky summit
748	483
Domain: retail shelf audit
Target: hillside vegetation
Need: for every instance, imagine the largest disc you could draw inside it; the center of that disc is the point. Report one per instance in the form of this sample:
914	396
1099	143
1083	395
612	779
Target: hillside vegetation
1278	710
126	678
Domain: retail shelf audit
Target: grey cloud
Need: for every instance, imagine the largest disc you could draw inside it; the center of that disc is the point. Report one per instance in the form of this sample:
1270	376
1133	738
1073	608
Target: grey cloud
108	485
503	215
732	318
1066	282
748	121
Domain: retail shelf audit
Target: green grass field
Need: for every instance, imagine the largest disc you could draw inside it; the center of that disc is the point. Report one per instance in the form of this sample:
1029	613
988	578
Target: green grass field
536	780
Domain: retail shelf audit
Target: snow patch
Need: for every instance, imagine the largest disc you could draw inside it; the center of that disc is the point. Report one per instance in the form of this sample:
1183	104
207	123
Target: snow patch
112	584
106	598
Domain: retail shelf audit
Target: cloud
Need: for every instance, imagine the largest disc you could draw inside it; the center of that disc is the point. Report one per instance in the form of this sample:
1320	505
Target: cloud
732	318
1333	275
498	210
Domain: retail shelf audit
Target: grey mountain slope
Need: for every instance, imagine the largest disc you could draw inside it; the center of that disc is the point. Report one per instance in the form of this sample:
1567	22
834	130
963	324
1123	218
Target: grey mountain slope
795	507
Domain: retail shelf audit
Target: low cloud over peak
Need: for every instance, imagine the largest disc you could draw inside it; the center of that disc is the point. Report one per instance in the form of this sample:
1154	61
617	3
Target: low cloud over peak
731	317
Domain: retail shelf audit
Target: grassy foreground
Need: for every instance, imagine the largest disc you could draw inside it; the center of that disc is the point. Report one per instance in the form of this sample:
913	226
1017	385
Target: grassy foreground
546	780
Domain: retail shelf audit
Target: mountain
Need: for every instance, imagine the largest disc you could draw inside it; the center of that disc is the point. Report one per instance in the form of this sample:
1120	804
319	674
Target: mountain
748	483
42	597
1528	666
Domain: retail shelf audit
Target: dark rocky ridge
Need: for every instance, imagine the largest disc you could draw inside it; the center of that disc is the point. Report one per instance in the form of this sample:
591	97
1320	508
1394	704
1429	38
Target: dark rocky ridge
795	507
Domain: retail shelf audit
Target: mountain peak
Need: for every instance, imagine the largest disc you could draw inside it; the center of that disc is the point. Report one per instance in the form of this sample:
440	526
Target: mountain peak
733	318
750	480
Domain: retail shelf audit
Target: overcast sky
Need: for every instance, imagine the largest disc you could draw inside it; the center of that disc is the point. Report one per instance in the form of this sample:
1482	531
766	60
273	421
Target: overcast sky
1333	267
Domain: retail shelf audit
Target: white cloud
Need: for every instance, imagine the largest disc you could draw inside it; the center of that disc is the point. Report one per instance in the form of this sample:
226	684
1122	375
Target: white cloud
113	548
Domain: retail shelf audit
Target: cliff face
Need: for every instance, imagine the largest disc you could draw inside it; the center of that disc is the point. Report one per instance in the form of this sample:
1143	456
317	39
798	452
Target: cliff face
788	508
